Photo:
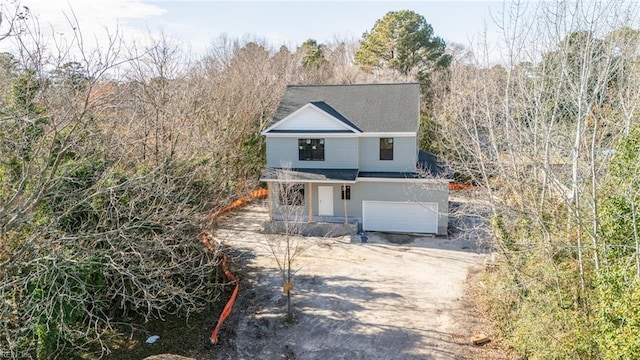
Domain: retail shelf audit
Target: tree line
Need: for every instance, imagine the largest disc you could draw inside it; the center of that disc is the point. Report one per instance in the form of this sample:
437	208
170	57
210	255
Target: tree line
551	133
110	160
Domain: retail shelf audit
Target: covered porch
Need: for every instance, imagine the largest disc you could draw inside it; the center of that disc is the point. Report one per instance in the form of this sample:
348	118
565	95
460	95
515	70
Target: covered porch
324	194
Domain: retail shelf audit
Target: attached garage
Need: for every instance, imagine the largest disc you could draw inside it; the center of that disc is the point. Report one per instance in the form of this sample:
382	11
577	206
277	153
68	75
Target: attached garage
391	216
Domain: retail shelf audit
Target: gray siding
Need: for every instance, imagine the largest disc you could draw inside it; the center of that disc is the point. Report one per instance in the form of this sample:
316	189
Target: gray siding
377	191
404	155
339	153
388	191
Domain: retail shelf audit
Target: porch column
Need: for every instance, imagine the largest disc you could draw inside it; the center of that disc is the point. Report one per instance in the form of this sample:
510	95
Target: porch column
310	202
270	200
344	201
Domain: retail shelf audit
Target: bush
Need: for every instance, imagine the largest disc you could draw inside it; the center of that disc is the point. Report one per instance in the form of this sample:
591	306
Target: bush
617	313
106	245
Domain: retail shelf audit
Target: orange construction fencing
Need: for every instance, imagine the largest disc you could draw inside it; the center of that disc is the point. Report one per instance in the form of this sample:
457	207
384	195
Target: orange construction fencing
227	308
257	194
456	186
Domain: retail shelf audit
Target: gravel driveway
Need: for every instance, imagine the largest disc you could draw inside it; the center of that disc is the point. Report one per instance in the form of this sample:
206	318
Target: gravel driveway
395	297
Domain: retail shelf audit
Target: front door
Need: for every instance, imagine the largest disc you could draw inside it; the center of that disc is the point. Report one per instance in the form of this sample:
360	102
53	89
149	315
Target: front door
325	200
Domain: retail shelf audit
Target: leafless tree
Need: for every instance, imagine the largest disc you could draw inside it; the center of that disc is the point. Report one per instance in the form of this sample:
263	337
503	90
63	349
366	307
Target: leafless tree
284	241
537	127
89	234
515	119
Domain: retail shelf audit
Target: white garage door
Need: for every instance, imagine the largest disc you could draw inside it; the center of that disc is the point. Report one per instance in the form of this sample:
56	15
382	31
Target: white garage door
400	216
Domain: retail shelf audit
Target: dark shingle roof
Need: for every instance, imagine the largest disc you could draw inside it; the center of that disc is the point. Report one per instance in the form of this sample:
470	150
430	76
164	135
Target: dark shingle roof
389	174
369	107
308	175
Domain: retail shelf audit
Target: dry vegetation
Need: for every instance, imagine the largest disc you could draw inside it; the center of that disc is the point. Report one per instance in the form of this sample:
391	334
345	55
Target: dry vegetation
109	160
549	132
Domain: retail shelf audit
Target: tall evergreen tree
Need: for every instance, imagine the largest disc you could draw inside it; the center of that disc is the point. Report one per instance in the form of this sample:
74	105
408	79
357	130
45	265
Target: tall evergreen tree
402	41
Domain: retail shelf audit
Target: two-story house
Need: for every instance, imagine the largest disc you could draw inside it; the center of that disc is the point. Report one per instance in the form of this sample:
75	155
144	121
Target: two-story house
352	151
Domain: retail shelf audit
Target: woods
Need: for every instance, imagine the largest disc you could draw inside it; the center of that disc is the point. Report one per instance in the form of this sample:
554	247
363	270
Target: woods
546	133
111	160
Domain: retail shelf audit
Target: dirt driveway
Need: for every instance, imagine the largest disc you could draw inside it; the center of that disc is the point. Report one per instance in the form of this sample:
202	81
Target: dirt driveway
395	297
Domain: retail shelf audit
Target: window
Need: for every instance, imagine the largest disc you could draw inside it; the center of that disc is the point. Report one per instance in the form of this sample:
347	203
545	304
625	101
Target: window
311	149
346	192
291	194
386	148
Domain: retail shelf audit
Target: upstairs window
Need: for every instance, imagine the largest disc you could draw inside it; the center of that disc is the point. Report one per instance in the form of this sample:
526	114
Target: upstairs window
311	149
386	148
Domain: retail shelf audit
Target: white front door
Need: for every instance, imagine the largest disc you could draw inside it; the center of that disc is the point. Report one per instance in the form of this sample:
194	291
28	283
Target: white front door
325	200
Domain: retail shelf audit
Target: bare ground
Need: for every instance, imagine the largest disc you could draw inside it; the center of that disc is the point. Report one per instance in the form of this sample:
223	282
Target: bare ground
395	297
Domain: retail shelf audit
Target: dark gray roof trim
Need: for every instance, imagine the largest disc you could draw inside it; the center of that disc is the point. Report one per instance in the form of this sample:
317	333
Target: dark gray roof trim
389	175
309	175
369	107
311	132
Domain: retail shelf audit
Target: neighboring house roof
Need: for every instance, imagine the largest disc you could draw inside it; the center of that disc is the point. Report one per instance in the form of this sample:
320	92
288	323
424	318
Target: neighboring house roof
319	175
368	107
430	165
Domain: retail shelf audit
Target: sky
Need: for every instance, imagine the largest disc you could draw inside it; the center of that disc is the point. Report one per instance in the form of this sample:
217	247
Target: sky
196	23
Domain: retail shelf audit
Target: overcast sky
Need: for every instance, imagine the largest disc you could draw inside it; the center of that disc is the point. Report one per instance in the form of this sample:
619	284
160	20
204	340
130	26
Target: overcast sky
197	22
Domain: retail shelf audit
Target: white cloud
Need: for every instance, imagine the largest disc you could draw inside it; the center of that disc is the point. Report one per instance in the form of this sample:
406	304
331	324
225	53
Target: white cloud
95	19
92	11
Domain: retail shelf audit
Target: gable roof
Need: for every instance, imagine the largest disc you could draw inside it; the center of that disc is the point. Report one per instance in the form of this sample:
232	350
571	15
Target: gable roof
369	107
296	123
331	111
